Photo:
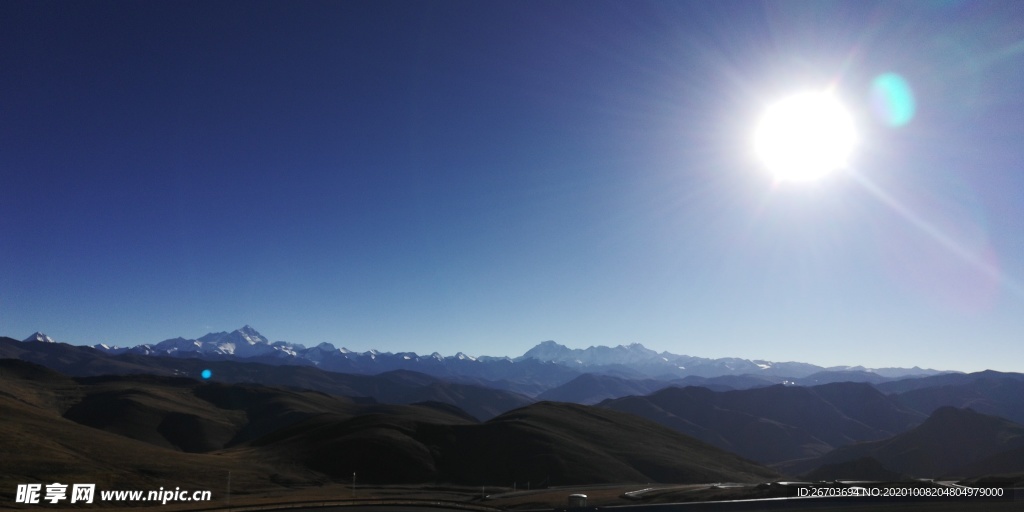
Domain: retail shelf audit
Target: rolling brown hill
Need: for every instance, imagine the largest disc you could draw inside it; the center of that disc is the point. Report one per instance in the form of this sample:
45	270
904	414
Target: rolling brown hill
144	431
39	445
547	443
187	415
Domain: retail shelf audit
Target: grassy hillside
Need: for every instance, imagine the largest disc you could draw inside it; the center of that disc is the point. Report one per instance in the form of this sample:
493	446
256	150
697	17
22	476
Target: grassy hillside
145	432
547	443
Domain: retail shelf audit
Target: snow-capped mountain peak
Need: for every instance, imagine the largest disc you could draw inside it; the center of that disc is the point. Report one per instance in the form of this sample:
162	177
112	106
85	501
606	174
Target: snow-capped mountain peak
549	351
40	337
246	335
244	342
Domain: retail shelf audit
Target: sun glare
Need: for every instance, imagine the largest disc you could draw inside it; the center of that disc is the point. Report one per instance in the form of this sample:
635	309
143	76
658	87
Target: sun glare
805	137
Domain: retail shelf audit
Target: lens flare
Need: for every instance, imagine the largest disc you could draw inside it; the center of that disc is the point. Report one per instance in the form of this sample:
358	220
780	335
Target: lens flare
207	374
892	99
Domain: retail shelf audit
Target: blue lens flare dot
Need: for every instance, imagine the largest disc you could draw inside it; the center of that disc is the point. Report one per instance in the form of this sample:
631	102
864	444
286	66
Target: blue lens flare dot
892	99
207	374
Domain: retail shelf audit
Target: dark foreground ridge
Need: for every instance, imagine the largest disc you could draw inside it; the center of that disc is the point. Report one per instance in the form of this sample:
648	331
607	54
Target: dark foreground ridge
146	431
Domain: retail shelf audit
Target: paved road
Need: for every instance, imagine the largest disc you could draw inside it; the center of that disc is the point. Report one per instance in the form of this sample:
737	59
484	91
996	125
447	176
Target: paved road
376	508
815	505
861	504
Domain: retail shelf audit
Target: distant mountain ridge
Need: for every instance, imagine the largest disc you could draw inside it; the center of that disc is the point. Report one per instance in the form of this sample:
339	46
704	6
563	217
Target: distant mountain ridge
655	364
633	361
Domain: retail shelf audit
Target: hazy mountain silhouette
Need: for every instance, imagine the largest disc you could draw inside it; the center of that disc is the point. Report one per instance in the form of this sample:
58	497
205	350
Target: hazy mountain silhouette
592	388
951	442
828	377
946	379
995	393
776	423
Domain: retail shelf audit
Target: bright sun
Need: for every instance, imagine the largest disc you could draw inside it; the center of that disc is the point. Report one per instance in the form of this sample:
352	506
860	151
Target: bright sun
805	137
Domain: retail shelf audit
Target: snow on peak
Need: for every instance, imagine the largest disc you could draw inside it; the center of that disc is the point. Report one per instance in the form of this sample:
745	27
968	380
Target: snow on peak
247	342
633	353
243	342
245	335
40	337
548	351
250	335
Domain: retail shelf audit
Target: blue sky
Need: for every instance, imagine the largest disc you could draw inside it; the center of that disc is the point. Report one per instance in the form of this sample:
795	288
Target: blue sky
482	176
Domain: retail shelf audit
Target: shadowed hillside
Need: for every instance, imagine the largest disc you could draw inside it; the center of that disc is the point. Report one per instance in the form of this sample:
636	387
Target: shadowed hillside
39	445
138	430
775	423
999	394
952	442
184	414
546	443
865	468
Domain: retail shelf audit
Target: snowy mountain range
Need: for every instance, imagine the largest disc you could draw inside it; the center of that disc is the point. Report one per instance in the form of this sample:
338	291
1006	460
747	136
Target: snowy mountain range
555	361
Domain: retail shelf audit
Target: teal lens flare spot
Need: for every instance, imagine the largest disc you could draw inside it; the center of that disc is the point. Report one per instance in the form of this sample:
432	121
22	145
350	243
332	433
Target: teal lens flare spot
207	374
892	100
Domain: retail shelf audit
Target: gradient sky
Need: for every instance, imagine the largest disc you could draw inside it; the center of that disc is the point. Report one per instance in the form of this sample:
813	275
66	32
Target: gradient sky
482	176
